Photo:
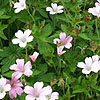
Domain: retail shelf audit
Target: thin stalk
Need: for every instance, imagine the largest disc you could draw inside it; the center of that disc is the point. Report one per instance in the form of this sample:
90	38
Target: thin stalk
97	28
26	54
31	15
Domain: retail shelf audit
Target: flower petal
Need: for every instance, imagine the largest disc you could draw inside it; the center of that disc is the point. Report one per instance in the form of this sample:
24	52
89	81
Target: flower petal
28	72
27	32
49	9
30	97
30	38
2	95
38	86
88	61
62	36
19	34
28	90
22	45
81	65
54	6
15	41
56	40
84	71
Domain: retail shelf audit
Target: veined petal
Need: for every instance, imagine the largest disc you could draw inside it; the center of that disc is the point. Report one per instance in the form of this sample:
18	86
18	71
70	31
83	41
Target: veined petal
81	65
30	38
47	90
22	45
95	67
2	95
7	87
30	97
88	61
68	45
28	72
17	10
18	74
14	67
27	32
84	71
52	12
49	9
20	63
54	96
19	34
28	90
62	36
38	86
28	65
59	11
60	7
54	6
95	58
16	5
56	40
15	41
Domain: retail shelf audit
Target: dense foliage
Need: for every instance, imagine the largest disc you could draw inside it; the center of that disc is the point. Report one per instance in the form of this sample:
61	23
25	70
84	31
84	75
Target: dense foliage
60	72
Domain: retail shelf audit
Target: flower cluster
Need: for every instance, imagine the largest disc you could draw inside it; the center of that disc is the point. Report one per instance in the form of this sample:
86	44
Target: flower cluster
63	42
95	10
40	93
91	64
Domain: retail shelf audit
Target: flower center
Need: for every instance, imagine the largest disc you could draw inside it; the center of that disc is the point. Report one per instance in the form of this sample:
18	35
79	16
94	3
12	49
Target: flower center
36	95
88	68
1	90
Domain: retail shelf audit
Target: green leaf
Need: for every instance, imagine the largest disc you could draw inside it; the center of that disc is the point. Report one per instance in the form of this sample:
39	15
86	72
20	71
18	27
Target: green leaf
84	36
46	31
42	12
47	77
45	48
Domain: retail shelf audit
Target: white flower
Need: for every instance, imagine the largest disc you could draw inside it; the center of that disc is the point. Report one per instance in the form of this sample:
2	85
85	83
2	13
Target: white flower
91	64
21	5
22	38
55	9
4	87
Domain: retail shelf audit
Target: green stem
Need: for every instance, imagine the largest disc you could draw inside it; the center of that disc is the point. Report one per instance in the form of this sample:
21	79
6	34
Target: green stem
97	29
26	54
31	15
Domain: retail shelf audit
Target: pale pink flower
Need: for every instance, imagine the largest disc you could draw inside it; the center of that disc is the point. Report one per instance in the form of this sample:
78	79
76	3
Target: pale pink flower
15	87
22	38
95	10
63	41
54	9
34	56
59	50
38	92
91	64
21	5
52	95
21	69
97	3
4	87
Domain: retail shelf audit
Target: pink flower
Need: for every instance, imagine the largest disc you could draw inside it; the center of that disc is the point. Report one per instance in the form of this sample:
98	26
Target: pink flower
15	87
63	41
97	3
38	92
21	69
34	56
95	10
52	95
59	50
4	87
